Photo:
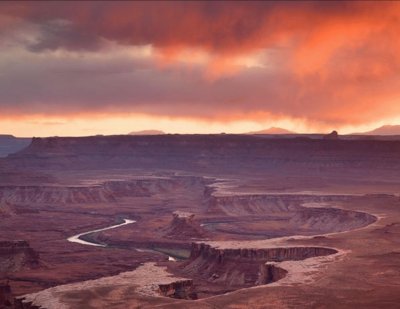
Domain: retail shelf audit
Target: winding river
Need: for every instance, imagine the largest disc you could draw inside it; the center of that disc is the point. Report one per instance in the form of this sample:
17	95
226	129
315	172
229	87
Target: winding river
77	239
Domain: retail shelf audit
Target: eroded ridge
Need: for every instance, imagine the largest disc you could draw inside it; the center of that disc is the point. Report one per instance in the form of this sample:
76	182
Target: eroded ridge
217	271
276	215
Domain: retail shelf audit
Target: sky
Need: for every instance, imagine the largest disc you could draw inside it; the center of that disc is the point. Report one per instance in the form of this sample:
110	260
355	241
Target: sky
84	68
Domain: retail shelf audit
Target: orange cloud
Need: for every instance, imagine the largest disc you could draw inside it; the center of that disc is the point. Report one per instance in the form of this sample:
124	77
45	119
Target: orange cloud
330	63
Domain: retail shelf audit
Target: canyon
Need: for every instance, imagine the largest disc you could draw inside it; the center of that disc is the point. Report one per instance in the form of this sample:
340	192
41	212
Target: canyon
231	221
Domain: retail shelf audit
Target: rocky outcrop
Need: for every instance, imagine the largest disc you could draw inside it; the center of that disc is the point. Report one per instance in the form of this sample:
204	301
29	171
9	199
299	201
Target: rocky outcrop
182	289
183	226
245	267
17	255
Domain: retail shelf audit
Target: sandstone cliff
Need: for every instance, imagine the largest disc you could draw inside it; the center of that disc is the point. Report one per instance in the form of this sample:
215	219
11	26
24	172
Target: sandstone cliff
245	267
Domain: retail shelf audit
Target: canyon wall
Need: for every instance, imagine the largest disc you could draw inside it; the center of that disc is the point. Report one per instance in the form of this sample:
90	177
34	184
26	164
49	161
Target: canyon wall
244	267
269	273
106	192
286	208
212	153
204	251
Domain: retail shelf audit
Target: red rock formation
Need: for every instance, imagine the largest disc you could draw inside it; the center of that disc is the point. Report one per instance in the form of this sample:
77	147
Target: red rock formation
183	226
182	289
244	267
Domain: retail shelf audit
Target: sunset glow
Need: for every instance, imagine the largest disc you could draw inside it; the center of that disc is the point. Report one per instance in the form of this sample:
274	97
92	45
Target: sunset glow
84	68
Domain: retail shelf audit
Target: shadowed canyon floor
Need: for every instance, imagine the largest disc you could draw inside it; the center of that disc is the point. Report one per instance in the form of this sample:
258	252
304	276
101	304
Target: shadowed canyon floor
220	222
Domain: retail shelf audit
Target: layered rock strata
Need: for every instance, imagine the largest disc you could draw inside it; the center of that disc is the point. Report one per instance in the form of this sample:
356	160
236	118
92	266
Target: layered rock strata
245	267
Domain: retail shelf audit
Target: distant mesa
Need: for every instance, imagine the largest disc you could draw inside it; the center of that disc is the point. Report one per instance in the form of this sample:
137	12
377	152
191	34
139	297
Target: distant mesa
147	132
272	130
383	130
331	136
6	137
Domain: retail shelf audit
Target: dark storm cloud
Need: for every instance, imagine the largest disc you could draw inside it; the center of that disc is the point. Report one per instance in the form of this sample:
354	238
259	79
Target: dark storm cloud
60	33
218	25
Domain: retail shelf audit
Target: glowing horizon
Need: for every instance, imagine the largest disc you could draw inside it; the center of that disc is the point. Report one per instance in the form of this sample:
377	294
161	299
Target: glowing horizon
117	125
